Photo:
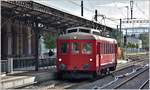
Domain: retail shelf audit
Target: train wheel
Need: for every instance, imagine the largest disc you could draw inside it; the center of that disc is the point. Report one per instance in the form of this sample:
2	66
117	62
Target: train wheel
107	71
112	68
94	75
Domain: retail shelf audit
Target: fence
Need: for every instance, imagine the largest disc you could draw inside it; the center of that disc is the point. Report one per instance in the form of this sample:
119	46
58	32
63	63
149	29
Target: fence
25	63
4	65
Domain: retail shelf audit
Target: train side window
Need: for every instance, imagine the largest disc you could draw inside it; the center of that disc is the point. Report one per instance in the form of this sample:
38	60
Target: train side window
104	48
113	48
107	48
87	48
75	48
64	47
101	48
110	48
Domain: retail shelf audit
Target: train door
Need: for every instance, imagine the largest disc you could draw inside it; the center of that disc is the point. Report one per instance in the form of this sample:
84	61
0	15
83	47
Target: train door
116	52
98	58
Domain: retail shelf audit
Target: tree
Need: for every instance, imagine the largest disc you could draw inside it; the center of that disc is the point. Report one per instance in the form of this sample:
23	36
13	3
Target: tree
134	45
49	40
116	34
129	45
137	46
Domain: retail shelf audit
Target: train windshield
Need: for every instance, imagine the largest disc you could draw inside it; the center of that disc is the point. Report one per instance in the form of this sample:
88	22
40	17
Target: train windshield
84	30
75	48
64	47
87	48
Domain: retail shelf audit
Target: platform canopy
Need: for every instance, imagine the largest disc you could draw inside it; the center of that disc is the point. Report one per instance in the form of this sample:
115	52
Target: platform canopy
47	16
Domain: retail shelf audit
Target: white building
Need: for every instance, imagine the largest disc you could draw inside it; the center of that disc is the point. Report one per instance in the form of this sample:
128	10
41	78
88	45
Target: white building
134	40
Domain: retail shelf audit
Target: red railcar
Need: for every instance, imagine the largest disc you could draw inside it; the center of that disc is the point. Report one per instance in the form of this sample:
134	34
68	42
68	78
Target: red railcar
86	52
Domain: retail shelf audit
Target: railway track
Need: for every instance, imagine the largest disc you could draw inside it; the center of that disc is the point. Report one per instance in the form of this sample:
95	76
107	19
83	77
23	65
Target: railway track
144	84
56	84
131	78
111	74
128	80
99	83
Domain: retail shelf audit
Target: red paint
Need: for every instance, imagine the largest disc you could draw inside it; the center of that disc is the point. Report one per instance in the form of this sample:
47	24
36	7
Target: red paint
78	60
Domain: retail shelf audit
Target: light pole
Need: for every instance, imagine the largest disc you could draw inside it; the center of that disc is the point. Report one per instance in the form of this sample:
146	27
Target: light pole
131	6
82	8
127	12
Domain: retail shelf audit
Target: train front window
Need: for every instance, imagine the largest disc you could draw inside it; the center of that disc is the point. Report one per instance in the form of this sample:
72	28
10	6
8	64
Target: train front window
87	48
64	47
72	30
96	33
75	48
84	30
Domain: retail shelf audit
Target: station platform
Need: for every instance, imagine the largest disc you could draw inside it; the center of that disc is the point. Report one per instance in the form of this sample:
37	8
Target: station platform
22	78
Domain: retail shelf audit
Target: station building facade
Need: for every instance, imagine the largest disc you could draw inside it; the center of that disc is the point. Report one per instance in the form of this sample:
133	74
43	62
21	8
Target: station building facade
17	39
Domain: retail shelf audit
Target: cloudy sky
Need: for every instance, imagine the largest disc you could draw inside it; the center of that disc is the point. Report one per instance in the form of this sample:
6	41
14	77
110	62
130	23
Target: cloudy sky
112	9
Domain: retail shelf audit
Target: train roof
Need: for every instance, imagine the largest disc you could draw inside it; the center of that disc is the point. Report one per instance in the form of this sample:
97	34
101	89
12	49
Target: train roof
83	29
85	36
78	27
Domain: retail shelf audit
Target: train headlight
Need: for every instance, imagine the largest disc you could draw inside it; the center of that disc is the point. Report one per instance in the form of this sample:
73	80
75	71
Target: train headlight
59	59
91	59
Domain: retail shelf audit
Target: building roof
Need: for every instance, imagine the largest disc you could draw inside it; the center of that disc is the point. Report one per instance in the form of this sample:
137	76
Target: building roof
48	16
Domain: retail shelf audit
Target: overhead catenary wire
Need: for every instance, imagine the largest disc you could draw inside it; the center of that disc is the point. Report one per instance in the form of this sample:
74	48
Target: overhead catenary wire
92	11
141	10
121	12
83	7
80	5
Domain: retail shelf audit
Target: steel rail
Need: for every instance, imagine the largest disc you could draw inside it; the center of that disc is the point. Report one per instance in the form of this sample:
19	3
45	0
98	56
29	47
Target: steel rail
121	84
141	87
120	69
